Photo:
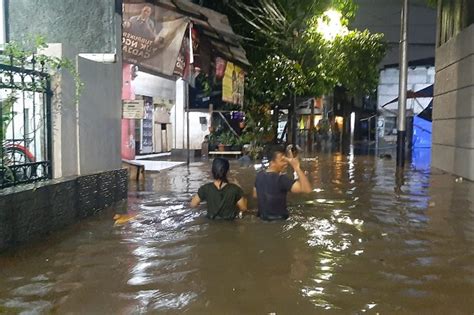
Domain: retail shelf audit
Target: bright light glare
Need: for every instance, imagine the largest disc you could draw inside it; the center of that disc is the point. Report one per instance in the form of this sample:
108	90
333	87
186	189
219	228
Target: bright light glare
353	115
330	26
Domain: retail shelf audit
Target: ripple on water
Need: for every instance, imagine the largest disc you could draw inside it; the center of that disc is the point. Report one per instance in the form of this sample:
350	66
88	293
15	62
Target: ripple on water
19	306
33	289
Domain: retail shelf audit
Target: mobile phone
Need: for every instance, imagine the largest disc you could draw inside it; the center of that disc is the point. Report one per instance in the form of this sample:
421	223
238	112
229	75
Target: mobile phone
291	151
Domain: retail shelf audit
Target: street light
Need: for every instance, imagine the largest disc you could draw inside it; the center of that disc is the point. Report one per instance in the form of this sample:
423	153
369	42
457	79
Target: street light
330	25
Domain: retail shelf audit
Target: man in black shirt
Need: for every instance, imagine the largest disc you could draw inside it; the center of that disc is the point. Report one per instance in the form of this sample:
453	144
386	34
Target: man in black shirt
271	186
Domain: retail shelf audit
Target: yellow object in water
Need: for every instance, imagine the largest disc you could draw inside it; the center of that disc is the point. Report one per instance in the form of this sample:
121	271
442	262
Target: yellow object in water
123	218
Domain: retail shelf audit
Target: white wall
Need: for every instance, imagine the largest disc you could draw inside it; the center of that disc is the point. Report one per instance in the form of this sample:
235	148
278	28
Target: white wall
418	78
178	119
64	118
2	23
154	86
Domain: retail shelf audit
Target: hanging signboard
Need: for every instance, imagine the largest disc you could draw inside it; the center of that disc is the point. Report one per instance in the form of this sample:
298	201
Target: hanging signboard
152	36
233	84
133	109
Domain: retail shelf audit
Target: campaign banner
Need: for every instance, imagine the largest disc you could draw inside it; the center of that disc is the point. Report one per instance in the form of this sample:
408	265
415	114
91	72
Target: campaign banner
152	36
233	84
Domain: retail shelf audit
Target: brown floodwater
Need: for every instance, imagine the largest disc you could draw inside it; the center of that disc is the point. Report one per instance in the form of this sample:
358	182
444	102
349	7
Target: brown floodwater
367	240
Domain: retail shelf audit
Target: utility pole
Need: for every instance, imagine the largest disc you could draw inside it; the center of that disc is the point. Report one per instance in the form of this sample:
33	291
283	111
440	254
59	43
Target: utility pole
311	126
294	122
188	155
402	95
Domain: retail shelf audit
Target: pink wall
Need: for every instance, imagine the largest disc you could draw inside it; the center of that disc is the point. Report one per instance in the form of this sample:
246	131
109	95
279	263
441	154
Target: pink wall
128	125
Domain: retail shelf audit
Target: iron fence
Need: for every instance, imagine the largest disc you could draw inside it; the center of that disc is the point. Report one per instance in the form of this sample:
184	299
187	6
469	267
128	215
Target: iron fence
25	122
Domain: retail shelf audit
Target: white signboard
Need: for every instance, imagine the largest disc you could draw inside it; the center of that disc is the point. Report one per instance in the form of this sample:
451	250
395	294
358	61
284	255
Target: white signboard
133	109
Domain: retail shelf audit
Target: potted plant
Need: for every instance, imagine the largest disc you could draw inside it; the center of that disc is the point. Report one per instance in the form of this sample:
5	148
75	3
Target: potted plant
213	142
226	140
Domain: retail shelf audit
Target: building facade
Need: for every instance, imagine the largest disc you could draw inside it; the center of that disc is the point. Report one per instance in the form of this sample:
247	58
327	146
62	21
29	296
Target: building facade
83	128
453	108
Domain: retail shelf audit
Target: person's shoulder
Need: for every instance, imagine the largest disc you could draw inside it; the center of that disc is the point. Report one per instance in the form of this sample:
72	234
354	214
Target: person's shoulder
206	186
283	175
234	189
234	186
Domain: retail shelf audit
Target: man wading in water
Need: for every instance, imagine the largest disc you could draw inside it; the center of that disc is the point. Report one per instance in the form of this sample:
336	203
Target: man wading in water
224	200
272	187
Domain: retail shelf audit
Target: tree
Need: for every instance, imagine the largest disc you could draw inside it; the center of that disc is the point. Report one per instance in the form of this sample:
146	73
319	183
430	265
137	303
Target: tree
292	56
290	30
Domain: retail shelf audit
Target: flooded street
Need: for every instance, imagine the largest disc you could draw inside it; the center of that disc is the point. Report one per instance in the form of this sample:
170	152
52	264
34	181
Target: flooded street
365	240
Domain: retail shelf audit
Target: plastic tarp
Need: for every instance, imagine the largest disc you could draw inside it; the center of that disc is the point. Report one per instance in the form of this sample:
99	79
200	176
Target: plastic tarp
421	132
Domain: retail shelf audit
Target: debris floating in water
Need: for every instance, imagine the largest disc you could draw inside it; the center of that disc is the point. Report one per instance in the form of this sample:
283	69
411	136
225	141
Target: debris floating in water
123	218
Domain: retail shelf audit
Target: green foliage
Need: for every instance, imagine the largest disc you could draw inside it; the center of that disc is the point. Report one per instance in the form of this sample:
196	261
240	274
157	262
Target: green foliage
22	53
202	81
275	79
295	58
432	3
7	113
25	54
291	56
355	60
259	124
227	138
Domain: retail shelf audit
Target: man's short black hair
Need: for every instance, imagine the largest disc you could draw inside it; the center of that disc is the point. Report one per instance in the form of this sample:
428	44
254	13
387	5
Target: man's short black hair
274	150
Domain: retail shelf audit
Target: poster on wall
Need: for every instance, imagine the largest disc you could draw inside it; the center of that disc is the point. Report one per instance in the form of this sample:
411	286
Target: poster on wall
152	36
233	84
132	109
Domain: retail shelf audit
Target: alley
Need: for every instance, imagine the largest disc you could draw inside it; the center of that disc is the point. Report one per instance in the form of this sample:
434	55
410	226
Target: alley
365	239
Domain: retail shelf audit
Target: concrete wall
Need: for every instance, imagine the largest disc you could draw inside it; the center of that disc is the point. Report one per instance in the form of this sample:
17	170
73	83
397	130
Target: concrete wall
100	113
86	135
86	25
384	17
31	211
453	107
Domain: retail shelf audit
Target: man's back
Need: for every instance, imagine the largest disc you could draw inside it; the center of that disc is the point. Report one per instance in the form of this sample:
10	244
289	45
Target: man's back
272	189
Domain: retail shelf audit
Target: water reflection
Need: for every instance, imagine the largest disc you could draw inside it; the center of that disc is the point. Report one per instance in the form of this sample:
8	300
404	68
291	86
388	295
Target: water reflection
366	239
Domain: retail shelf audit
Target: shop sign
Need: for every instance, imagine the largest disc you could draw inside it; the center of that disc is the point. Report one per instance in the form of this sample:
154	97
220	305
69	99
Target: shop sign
133	109
233	84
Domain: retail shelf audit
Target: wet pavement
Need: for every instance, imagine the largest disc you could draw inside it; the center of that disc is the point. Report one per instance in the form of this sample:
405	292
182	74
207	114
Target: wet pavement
367	240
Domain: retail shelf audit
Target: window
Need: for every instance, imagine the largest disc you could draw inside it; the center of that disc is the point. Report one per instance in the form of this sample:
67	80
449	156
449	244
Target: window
454	16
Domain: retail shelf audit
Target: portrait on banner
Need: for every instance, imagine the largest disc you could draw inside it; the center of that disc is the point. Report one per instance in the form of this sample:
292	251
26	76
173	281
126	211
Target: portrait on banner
152	36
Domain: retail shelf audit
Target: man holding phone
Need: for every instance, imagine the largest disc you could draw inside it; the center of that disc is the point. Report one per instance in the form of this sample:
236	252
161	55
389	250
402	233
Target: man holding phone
272	187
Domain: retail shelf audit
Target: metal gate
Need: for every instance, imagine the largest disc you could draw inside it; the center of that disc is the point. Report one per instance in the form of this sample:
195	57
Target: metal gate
25	122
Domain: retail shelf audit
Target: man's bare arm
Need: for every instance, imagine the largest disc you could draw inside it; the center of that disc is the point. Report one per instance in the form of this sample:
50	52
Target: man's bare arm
302	185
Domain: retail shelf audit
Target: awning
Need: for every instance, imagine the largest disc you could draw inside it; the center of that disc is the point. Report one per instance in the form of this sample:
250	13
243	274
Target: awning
425	92
214	25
